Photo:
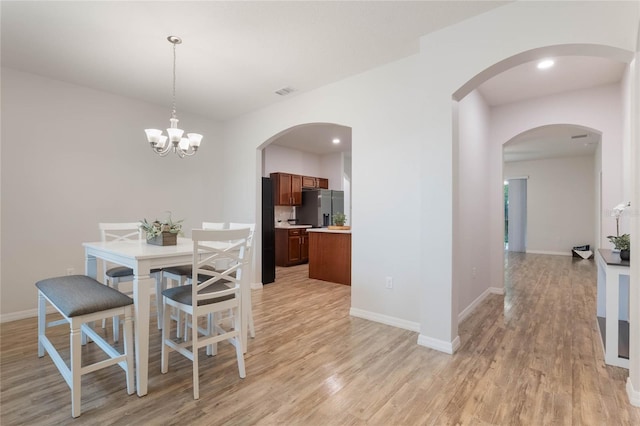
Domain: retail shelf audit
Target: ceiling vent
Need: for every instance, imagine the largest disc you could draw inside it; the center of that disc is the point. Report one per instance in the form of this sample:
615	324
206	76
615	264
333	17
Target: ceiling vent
285	91
579	136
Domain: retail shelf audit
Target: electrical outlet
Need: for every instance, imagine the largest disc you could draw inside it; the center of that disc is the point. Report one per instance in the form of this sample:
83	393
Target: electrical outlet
389	282
71	271
473	272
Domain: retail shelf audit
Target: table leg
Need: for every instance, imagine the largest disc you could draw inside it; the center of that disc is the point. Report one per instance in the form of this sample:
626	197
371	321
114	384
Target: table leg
141	296
91	266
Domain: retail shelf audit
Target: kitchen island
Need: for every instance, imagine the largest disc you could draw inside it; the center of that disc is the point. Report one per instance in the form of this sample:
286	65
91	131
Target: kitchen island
330	255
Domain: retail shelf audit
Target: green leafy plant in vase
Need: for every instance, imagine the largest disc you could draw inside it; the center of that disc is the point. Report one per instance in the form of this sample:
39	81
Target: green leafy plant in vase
162	232
339	219
622	243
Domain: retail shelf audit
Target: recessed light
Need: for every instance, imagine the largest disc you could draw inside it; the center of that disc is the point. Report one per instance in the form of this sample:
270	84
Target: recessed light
547	63
336	141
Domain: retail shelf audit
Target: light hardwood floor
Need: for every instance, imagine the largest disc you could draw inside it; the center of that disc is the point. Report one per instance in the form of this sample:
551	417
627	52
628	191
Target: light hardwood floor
531	357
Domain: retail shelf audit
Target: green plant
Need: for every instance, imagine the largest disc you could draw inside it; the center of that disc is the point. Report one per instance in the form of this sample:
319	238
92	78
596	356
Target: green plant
155	228
622	242
339	219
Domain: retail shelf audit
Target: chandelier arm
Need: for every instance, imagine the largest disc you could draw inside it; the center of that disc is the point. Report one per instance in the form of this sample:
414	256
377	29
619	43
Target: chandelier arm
162	151
179	152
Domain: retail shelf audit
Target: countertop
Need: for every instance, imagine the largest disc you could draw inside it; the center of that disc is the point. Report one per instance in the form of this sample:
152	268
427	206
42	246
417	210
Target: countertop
287	226
330	231
610	258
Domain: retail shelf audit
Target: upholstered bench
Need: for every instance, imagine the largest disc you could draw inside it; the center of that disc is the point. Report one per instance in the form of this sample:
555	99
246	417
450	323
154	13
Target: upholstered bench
81	300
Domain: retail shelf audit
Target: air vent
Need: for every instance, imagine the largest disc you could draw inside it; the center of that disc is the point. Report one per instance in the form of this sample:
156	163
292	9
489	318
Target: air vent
285	91
579	136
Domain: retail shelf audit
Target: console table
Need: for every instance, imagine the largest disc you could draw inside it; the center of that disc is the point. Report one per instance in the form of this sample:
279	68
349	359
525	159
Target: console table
613	307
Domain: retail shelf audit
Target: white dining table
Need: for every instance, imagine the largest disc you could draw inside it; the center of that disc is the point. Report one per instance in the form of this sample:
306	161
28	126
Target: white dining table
142	258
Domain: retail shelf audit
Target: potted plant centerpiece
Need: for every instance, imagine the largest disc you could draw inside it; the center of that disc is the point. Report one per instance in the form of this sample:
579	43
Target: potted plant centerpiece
339	219
162	233
620	242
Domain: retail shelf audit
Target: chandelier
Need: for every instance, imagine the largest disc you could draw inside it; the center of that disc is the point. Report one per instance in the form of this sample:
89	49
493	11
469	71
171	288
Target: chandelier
162	144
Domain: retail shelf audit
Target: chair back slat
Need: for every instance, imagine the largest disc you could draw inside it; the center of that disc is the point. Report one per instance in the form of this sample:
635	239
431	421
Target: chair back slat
213	225
126	231
129	231
210	246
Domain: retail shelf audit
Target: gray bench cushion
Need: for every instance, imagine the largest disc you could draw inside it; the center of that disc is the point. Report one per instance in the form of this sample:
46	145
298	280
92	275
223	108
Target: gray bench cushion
76	295
182	294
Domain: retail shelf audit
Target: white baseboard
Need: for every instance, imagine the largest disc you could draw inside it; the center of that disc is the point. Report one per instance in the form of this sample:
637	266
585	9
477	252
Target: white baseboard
634	395
256	286
555	253
473	305
439	345
429	342
385	319
30	313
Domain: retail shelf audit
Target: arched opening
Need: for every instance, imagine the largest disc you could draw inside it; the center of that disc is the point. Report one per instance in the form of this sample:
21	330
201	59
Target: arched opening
557	167
320	150
481	130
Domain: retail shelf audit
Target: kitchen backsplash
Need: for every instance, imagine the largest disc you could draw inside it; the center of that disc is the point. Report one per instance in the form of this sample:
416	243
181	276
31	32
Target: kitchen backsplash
283	213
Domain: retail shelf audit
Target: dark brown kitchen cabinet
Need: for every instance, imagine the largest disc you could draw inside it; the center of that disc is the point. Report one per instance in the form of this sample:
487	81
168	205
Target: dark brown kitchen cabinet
292	246
287	189
309	182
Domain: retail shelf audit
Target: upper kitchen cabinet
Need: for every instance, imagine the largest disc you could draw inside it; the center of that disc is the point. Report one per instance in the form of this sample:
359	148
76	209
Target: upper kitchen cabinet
287	189
315	182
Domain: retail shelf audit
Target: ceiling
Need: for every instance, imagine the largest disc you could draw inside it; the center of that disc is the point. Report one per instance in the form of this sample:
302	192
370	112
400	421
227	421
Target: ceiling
235	55
526	81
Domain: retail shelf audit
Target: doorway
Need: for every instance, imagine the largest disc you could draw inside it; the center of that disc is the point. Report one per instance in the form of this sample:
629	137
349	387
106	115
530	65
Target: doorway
516	215
320	150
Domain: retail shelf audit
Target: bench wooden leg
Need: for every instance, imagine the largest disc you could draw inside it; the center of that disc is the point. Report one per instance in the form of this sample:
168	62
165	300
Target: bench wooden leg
76	365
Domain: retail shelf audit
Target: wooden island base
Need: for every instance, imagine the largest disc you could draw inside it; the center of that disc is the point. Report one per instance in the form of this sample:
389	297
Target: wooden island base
330	255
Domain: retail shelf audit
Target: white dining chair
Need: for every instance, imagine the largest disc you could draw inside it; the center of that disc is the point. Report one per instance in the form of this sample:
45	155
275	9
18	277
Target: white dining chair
247	294
210	293
115	274
177	276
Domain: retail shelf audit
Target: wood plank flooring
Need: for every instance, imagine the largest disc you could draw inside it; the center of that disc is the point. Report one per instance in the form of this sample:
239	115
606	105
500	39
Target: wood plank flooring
530	357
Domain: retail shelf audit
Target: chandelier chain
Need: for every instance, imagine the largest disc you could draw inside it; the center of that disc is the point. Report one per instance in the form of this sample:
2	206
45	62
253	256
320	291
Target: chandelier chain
173	112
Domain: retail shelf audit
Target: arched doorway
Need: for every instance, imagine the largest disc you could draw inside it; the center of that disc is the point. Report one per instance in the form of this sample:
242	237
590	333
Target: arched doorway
311	149
562	203
478	184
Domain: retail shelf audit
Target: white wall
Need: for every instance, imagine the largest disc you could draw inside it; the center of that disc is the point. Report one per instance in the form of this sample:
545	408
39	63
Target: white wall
560	200
332	168
282	159
379	105
73	157
471	225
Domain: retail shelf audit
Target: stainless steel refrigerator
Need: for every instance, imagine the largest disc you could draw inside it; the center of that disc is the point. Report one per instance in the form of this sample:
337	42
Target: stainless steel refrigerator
319	206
